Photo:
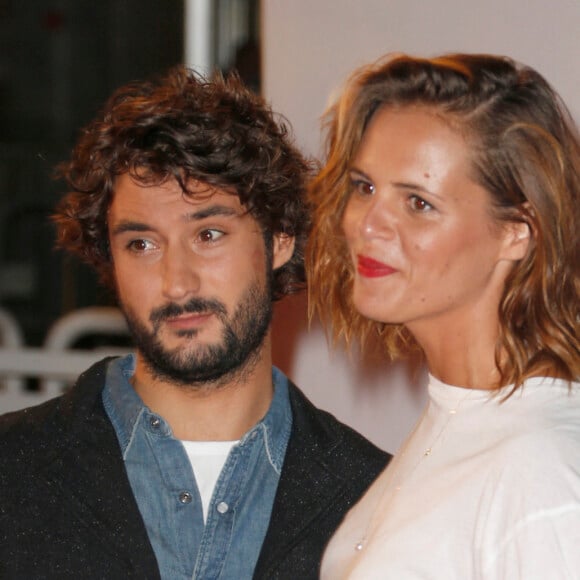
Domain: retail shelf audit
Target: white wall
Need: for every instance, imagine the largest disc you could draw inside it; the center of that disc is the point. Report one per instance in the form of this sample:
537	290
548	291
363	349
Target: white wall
309	47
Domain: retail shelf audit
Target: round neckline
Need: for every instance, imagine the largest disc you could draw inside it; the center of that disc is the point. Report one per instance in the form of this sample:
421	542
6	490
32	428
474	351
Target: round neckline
448	395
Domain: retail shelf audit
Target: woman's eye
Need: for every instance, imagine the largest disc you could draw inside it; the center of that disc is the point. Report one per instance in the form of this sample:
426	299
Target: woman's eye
419	204
210	235
362	187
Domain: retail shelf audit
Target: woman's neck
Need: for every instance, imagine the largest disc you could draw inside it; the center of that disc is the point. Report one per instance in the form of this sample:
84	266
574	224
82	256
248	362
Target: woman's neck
461	355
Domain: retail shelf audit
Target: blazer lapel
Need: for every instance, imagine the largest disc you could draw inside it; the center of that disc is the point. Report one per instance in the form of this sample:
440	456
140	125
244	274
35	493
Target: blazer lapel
87	469
308	488
98	496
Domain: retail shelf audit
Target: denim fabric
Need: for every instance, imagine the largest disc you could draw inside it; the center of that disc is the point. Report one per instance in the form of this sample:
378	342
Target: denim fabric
227	547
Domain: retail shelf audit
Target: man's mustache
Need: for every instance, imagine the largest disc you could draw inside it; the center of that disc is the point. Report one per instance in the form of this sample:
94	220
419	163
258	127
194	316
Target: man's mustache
193	306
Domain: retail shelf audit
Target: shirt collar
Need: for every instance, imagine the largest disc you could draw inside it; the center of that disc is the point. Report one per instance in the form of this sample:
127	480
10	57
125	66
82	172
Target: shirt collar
276	425
125	409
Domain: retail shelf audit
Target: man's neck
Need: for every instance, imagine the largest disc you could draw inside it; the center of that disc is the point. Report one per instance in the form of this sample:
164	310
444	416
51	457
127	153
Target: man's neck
210	412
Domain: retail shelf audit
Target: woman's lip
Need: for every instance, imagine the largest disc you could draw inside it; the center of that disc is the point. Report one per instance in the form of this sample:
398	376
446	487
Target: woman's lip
370	268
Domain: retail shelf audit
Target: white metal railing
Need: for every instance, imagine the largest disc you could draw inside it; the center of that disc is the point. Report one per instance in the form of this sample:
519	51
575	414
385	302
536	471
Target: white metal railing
10	336
56	364
61	367
73	326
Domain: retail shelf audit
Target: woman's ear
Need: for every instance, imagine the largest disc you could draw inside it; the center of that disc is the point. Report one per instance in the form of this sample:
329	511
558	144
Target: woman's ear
282	250
517	235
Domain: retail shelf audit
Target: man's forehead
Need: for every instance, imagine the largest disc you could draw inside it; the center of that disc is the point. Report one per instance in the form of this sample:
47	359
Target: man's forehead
193	191
204	195
200	189
133	197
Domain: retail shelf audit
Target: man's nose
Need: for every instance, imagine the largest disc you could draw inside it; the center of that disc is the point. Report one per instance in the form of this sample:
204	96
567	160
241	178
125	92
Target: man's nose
180	275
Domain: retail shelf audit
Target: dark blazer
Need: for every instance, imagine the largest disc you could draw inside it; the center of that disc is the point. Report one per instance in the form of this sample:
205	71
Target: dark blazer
67	509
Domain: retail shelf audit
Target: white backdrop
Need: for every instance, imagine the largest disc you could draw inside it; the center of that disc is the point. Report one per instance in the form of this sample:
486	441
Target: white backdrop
309	47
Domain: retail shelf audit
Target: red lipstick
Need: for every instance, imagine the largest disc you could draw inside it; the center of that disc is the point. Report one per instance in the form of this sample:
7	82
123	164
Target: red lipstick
370	268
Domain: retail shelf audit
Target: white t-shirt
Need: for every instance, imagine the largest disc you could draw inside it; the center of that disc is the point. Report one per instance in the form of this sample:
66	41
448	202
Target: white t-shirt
207	460
481	490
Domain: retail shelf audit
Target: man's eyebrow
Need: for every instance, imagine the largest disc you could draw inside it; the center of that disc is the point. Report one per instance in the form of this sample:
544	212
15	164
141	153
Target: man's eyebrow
211	211
130	226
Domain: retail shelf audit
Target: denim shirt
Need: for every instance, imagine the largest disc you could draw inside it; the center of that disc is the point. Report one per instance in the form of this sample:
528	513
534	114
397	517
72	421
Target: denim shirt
228	545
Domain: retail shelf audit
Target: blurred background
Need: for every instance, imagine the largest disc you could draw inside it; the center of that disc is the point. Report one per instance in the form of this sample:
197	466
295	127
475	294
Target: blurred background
60	60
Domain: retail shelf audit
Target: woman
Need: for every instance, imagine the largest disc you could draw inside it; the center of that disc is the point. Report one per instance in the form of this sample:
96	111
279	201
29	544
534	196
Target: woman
455	182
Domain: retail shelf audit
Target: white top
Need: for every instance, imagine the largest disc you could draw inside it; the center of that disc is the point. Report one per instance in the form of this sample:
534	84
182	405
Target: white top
207	460
481	490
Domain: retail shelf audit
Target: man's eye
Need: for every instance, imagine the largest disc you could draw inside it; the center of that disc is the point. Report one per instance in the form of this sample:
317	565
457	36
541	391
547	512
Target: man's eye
140	245
418	204
210	235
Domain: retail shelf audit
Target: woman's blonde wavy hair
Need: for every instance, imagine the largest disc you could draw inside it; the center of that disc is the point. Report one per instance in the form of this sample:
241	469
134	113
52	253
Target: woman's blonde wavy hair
526	153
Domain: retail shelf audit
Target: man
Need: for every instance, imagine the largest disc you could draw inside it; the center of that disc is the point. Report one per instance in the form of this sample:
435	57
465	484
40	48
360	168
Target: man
195	458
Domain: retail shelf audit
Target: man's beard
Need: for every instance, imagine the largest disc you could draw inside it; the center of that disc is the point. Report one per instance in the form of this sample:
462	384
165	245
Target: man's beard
199	364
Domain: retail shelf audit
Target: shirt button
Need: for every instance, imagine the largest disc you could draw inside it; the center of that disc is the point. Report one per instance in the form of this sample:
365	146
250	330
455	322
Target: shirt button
154	422
222	507
185	497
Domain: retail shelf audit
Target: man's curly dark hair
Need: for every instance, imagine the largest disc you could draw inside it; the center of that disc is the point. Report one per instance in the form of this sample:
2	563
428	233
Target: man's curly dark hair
183	126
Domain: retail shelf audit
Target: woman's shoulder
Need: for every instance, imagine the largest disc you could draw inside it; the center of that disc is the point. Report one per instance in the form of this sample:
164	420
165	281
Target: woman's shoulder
540	449
534	436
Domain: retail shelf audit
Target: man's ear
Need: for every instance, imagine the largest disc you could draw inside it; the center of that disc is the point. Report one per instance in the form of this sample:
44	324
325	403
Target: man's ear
517	236
282	250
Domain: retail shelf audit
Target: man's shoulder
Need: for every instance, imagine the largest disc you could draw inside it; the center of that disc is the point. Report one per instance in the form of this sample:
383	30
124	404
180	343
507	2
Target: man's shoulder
19	426
31	431
327	468
28	439
331	440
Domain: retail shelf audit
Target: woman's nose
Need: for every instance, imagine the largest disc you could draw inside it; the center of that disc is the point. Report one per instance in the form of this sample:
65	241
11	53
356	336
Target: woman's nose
374	218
